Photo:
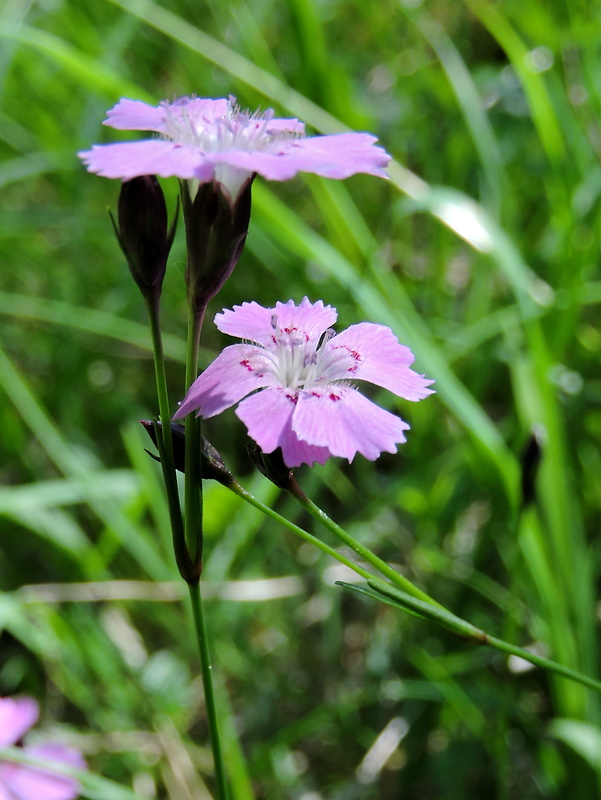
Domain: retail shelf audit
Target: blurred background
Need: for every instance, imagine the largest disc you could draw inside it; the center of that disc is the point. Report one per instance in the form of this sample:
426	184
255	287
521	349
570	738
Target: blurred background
481	253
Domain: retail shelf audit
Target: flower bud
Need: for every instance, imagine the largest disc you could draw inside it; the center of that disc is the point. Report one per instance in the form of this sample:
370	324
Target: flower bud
143	234
216	229
271	465
212	463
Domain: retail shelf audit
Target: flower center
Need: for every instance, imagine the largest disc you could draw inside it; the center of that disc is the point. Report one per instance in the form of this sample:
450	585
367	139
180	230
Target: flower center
216	127
300	362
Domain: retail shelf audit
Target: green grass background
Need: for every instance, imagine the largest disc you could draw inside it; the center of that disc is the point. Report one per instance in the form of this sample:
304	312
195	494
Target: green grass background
481	253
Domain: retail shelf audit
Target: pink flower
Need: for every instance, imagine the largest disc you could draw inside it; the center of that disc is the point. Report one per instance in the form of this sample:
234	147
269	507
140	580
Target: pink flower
214	140
307	405
23	782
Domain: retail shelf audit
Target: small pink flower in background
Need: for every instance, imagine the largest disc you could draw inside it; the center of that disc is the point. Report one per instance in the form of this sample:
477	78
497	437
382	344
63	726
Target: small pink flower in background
214	140
307	405
24	782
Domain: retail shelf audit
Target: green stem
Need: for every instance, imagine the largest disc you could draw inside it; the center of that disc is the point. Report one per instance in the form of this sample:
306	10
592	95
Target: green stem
193	470
153	305
300	532
194	539
362	551
207	683
545	663
414	601
165	439
465	629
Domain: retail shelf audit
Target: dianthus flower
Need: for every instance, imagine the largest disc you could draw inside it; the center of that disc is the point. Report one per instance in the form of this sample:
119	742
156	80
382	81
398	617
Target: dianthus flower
297	377
213	140
24	782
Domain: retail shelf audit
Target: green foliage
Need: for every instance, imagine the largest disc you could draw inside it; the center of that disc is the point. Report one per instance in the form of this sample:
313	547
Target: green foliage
481	253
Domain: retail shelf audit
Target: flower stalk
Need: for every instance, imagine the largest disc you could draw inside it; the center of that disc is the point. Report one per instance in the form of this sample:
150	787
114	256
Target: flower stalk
441	616
410	598
193	468
164	442
209	692
365	553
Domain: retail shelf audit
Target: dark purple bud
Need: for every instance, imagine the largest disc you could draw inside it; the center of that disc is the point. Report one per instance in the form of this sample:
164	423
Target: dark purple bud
216	230
212	463
272	466
143	232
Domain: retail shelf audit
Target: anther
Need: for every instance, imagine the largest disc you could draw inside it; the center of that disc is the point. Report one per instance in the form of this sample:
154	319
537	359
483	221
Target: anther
325	337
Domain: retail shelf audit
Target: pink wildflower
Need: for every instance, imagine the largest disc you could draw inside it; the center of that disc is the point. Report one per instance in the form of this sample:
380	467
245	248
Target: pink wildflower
307	405
24	782
214	140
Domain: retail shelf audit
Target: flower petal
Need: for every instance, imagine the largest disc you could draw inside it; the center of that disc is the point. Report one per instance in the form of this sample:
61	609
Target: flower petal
134	115
283	125
336	156
31	783
249	321
4	795
310	319
17	715
346	423
341	155
268	417
296	452
127	160
254	322
235	373
381	360
56	751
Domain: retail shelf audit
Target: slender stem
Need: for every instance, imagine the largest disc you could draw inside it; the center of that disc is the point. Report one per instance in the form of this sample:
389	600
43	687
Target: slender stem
165	439
545	663
366	554
194	539
193	469
207	683
195	320
414	601
153	304
303	534
418	604
463	628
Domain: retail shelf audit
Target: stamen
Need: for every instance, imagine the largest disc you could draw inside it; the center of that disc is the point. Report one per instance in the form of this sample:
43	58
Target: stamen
325	337
187	123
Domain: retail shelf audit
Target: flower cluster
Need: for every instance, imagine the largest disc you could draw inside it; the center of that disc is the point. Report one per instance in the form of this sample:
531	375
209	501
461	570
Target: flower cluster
24	782
297	377
294	378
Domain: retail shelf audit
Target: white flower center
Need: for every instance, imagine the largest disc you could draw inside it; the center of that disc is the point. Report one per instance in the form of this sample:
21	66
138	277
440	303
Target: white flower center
194	123
219	126
299	362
